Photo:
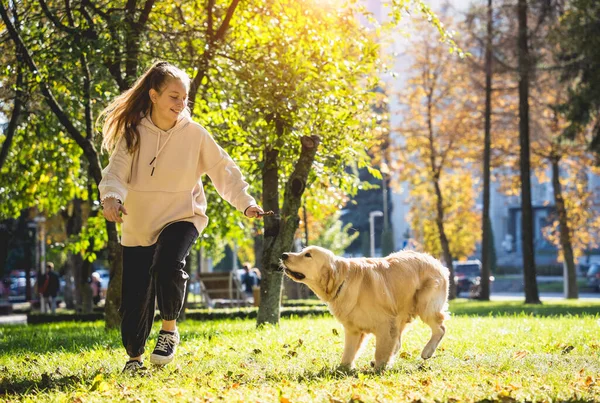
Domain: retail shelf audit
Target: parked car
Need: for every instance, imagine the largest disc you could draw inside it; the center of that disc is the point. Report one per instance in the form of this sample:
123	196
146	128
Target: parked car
16	282
466	274
593	276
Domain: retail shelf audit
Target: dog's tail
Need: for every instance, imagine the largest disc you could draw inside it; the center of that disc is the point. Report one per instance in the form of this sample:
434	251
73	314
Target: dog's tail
432	297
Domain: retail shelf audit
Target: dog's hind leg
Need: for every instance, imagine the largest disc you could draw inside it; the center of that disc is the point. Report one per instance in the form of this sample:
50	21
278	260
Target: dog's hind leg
353	341
436	323
431	307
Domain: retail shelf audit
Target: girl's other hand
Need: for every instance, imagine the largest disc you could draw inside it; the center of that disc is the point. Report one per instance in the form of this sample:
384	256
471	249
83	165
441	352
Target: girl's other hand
112	210
253	211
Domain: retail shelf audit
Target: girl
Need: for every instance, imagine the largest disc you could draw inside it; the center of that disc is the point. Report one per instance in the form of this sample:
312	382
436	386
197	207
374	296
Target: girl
152	185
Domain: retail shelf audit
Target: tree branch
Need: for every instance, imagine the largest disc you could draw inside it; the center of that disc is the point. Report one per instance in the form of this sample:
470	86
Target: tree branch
225	24
14	119
296	185
87	147
145	13
56	21
213	45
210	30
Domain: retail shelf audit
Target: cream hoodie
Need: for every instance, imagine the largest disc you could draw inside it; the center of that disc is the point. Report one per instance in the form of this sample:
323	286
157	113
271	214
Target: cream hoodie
161	182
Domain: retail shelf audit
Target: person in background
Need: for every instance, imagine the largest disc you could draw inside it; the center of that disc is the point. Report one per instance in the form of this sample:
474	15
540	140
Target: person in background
96	287
256	272
256	288
248	279
50	286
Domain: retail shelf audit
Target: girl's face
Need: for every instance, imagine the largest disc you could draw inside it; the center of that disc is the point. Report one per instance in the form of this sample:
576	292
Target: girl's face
171	101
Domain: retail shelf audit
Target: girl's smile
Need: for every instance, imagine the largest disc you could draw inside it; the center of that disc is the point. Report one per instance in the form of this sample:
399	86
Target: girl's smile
168	104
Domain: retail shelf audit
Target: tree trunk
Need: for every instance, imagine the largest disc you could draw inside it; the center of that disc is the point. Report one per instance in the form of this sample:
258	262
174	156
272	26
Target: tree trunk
485	220
529	271
112	317
87	304
280	230
258	251
565	232
74	224
270	284
443	238
87	297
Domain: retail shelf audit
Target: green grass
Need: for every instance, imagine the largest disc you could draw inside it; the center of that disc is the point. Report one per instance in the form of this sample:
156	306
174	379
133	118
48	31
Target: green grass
490	352
467	307
558	286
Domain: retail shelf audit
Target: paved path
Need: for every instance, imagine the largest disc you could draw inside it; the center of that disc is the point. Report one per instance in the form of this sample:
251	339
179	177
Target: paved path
507	296
13	320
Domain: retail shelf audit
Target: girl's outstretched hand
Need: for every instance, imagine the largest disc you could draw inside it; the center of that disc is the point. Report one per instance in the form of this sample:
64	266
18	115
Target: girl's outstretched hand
112	210
254	212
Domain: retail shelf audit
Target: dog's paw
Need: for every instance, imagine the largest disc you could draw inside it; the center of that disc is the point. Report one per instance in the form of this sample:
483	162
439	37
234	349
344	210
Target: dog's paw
379	366
344	369
427	353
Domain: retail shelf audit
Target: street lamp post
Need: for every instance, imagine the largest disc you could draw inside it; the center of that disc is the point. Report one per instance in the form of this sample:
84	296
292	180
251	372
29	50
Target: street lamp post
385	171
372	216
41	255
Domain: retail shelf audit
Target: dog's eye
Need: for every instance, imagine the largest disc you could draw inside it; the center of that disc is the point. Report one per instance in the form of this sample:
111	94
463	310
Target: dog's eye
307	255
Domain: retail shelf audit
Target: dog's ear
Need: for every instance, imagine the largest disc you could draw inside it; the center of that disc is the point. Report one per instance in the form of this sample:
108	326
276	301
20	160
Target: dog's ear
335	268
328	279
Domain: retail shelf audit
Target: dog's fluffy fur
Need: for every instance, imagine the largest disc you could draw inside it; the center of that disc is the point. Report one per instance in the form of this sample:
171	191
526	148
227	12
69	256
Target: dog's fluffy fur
376	295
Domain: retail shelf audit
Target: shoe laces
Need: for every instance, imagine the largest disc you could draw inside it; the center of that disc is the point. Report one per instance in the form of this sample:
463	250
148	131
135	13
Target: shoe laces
132	366
165	342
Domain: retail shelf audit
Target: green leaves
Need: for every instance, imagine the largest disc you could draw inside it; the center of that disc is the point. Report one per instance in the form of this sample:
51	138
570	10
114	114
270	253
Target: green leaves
92	238
579	52
43	169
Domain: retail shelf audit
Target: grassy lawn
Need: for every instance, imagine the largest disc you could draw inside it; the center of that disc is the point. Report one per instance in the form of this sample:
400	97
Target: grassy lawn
499	351
557	286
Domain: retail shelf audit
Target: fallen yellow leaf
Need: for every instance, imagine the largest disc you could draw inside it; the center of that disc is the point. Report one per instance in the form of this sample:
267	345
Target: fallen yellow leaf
520	354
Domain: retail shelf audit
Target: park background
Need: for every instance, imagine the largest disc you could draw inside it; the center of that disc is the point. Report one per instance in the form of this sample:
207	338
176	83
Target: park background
367	127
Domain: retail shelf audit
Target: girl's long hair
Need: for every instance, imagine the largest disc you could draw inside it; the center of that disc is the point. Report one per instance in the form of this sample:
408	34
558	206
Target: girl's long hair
123	115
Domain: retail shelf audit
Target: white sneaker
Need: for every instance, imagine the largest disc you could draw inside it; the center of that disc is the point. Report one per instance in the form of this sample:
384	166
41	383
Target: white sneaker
164	352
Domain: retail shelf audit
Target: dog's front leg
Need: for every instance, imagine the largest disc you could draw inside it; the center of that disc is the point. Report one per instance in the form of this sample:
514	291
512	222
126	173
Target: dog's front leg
386	340
353	341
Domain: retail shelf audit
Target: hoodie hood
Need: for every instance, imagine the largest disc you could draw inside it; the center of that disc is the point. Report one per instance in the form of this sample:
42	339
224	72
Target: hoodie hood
183	120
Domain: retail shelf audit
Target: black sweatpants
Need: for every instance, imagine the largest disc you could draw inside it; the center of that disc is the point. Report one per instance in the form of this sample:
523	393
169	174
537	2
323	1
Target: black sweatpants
153	273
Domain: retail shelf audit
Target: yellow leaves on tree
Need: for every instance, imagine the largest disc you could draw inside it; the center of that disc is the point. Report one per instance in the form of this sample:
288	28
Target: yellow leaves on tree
440	145
584	222
462	221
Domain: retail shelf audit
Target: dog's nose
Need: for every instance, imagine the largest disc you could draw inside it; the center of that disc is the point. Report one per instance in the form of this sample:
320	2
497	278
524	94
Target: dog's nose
284	256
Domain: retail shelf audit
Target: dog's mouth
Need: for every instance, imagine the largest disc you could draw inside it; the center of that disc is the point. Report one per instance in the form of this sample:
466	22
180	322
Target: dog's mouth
294	274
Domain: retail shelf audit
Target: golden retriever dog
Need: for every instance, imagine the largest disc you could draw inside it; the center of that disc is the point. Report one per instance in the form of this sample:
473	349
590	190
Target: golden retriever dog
377	296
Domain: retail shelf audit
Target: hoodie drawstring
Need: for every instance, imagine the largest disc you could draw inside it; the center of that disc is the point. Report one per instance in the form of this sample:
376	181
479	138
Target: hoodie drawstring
154	162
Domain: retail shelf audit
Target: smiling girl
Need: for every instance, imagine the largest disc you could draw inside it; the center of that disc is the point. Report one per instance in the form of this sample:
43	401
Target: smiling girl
152	185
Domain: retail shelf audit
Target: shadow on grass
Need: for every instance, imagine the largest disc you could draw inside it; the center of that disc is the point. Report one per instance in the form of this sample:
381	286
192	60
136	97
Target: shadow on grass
461	307
337	372
47	382
67	337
